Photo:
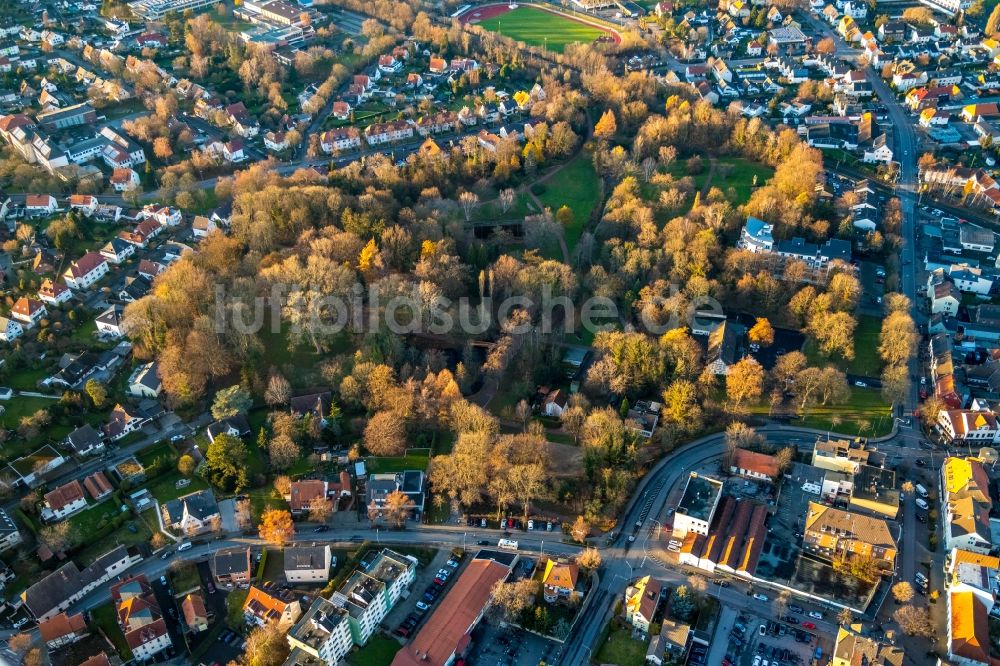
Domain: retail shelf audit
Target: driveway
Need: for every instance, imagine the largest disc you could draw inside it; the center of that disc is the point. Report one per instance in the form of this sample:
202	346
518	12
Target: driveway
227	509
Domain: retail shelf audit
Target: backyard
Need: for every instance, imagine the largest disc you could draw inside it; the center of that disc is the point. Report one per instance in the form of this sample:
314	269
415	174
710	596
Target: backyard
378	651
536	27
104	619
621	649
414	459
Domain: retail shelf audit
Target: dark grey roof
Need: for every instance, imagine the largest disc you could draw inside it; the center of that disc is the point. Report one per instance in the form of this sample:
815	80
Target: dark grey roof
7	525
67	581
112	316
200	505
314	403
84	438
238	422
723	344
232	561
298	558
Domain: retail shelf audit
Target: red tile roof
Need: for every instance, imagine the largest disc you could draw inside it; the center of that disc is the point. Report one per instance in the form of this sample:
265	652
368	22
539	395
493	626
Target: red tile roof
447	630
64	495
26	306
304	492
86	264
97	484
760	463
61	625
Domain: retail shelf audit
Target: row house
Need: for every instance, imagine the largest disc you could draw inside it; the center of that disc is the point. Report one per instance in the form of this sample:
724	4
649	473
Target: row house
61	589
379	133
965	505
344	138
445	121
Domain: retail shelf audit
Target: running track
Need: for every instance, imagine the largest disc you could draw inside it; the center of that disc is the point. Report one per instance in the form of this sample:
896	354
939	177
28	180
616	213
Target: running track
484	12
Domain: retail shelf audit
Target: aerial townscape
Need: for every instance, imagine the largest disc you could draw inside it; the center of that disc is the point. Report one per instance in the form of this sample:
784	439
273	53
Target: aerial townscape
518	333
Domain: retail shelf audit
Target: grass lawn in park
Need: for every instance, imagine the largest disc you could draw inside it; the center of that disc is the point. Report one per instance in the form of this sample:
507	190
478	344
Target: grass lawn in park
865	413
536	27
576	186
739	177
414	459
866	361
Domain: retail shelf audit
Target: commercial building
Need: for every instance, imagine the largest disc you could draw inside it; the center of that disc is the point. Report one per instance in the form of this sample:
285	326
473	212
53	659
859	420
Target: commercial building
697	505
153	10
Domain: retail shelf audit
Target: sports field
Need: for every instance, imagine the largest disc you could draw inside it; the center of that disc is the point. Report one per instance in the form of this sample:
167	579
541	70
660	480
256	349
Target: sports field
536	27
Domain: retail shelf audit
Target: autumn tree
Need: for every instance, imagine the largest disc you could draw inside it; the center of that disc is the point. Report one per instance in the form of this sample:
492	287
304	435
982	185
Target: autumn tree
739	436
468	200
278	392
573	418
185	465
898	338
282	484
787	366
761	333
20	644
607	126
276	527
845	617
902	592
589	559
243	514
283	452
59	537
744	382
385	435
993	22
266	646
320	509
162	149
580	530
398	507
511	599
97	392
914	621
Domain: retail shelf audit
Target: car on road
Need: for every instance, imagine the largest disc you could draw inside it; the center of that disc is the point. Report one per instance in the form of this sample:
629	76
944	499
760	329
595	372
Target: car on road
444	573
796	609
422	606
482	542
762	630
322	528
760	597
790	620
816	615
860	384
808	625
211	587
166	554
163	581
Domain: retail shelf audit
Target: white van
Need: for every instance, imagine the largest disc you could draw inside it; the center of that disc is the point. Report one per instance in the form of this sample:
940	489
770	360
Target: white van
921	504
921	491
184	546
507	544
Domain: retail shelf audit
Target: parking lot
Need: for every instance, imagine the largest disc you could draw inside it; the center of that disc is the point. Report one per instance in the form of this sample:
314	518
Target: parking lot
494	645
755	641
431	584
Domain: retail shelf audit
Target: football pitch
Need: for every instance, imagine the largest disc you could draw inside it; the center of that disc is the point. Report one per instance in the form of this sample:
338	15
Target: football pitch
536	27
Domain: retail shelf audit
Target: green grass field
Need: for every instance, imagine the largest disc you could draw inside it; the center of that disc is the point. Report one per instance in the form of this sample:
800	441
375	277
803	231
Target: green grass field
576	186
621	649
866	361
536	27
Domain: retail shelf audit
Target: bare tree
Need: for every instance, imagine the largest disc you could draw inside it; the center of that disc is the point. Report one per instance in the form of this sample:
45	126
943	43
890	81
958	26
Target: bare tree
243	514
278	392
506	199
468	201
648	168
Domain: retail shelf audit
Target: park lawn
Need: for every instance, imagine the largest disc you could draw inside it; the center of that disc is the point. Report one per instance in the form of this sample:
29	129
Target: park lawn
740	178
378	651
621	649
414	459
865	413
536	27
576	186
105	618
866	362
302	360
492	210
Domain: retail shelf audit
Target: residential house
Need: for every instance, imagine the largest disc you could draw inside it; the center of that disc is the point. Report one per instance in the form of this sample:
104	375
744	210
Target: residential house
276	141
559	580
966	505
642	598
85	441
410	483
264	605
140	617
855	648
40	204
303	493
754	465
85	203
241	120
28	311
98	486
234	426
10	536
323	633
117	251
341	110
63	502
62	630
232	567
307	564
59	590
191	514
397	130
124	179
723	348
123	421
202	226
879	151
368	595
344	138
832	533
195	613
109	322
83	273
555	403
144	382
54	293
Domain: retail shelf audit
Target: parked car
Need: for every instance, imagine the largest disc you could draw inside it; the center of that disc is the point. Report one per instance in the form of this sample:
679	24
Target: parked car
808	625
322	528
760	597
422	606
816	615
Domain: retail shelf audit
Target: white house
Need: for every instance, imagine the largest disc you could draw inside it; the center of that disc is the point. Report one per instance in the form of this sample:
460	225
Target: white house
109	322
10	330
63	502
28	311
87	270
307	564
879	151
144	382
